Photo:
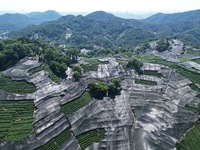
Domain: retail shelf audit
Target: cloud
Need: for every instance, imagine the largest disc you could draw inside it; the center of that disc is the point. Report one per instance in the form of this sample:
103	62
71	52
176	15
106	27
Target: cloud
92	5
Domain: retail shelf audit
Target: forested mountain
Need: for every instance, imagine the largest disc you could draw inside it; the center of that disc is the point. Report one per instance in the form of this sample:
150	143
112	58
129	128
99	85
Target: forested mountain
99	28
14	21
101	15
162	18
106	30
40	17
17	21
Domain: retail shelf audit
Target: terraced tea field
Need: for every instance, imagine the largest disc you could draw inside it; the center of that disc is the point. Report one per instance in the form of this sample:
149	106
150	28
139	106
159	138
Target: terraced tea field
192	139
152	73
76	104
57	141
8	85
16	118
145	82
87	138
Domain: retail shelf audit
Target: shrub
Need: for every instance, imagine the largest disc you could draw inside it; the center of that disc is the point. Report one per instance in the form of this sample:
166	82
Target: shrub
76	75
112	89
135	63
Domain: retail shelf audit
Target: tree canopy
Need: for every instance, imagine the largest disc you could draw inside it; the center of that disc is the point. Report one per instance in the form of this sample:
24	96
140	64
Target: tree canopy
135	63
76	75
162	45
97	90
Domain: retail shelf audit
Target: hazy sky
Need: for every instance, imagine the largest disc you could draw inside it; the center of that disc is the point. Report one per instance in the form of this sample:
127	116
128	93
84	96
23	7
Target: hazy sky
93	5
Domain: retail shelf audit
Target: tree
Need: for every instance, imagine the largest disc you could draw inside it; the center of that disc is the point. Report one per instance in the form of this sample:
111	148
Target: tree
49	54
1	46
162	45
116	81
2	60
112	89
97	90
73	54
76	68
91	87
135	63
76	75
101	90
58	69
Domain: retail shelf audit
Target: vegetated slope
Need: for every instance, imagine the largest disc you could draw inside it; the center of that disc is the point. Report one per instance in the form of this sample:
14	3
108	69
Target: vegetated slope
40	17
17	21
106	30
185	26
161	18
103	30
56	62
101	15
16	118
8	85
187	31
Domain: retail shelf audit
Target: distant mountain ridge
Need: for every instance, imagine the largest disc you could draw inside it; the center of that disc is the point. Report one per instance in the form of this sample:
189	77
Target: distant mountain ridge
106	30
161	18
101	15
18	21
40	17
98	28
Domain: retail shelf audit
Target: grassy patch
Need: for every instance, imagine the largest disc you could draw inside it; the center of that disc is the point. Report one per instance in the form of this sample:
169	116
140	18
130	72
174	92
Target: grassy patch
16	118
183	59
194	87
57	141
145	82
45	67
148	58
87	138
153	73
123	63
197	61
194	109
127	54
9	85
93	66
192	139
76	104
198	96
192	69
193	52
90	67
